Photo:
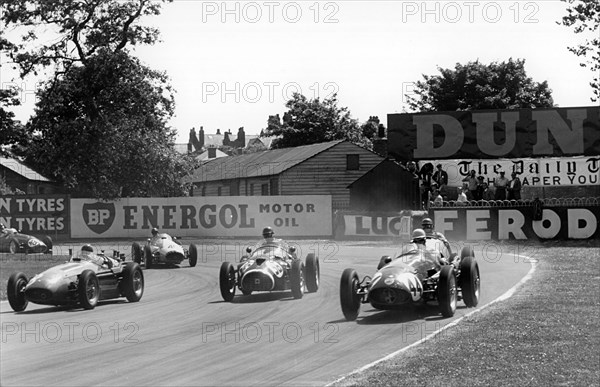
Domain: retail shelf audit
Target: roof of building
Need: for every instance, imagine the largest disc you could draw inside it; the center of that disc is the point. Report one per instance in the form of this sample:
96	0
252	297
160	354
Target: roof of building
265	163
204	155
23	170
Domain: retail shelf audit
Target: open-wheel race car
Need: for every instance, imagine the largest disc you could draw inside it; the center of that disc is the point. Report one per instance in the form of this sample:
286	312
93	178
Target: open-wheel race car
421	273
12	241
163	249
270	266
83	280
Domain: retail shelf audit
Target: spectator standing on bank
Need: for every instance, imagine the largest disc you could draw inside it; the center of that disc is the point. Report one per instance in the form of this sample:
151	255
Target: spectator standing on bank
441	178
514	187
480	183
487	193
462	198
472	184
501	184
438	200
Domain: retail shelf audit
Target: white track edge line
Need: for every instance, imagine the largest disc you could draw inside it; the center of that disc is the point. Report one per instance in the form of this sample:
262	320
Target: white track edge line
500	298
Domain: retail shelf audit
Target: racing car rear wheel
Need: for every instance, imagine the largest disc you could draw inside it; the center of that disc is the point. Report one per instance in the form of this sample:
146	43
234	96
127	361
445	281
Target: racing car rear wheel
193	255
349	298
89	289
227	281
13	247
16	296
136	252
313	273
466	251
469	281
48	242
148	256
132	285
446	291
297	278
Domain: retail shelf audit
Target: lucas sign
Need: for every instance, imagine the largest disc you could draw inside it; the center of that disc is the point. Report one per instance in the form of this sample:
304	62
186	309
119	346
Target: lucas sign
246	216
495	134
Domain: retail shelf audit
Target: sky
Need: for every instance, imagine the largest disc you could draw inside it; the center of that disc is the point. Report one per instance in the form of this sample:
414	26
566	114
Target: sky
234	63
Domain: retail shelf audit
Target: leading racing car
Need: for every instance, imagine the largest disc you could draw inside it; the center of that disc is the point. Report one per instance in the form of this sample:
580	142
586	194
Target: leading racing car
165	249
272	265
421	273
84	280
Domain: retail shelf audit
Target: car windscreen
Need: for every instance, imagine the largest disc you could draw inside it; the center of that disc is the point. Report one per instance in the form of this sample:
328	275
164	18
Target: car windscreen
270	251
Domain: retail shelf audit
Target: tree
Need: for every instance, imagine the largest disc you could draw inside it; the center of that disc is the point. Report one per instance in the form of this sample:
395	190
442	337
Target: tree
584	16
11	131
82	27
372	128
100	130
313	121
476	86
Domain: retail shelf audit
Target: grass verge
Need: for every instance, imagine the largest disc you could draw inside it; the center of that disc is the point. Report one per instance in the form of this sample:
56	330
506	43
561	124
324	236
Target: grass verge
547	334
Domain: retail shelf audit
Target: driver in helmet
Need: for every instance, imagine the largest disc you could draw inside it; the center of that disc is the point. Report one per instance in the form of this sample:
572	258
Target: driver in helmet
155	237
87	253
419	238
268	233
427	225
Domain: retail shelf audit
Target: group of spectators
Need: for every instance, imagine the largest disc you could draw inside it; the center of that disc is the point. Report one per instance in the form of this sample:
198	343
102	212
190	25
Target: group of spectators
434	186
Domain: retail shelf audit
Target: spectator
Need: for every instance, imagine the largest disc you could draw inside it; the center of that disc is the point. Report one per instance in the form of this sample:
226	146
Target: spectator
440	177
486	193
480	183
438	200
514	187
538	209
501	184
472	184
462	198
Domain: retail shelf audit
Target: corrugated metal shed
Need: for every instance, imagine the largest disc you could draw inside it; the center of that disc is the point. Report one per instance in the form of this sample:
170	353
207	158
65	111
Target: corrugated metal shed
265	163
23	170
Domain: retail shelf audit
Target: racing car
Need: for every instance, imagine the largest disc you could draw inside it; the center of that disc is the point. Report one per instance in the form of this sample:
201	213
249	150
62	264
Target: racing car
83	280
163	249
270	266
430	272
12	241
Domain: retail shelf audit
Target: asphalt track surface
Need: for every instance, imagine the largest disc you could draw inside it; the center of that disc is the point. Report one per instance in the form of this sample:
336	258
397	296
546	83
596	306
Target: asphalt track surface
183	333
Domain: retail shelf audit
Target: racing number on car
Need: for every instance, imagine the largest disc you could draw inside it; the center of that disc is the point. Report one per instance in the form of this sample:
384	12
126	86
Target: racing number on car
417	290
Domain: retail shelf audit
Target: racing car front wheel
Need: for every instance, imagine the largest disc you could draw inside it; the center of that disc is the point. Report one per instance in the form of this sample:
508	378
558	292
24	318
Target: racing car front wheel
313	273
132	285
297	278
447	291
193	255
349	298
469	281
227	281
16	296
89	289
148	256
136	252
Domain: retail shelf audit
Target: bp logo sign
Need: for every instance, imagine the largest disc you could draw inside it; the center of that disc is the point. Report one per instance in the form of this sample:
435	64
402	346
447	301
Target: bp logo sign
99	216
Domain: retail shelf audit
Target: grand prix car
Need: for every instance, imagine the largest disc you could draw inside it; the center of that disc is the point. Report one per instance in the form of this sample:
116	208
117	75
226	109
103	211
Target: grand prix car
270	266
83	280
163	249
417	275
12	241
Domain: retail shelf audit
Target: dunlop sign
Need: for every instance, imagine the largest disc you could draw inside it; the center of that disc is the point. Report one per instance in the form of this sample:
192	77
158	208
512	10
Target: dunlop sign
211	216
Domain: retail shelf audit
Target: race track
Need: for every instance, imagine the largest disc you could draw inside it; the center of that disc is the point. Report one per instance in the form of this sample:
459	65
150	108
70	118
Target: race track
182	333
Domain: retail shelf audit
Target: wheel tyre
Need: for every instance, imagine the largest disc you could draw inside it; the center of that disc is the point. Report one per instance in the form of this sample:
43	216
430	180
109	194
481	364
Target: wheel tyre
48	242
246	292
132	284
470	281
227	281
16	296
13	247
136	253
297	279
193	255
382	261
313	273
89	289
148	256
466	251
349	298
446	291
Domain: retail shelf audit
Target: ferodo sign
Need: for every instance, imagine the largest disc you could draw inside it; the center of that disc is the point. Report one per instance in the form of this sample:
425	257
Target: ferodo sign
210	216
516	223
